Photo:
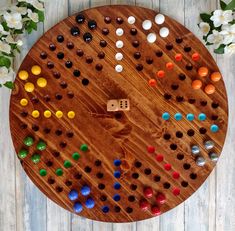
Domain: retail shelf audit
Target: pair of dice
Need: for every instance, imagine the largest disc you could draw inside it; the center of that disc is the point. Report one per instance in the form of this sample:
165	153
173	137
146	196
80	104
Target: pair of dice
118	105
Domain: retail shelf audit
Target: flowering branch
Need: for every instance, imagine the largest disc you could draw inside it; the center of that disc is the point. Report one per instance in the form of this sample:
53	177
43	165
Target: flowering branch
14	21
218	28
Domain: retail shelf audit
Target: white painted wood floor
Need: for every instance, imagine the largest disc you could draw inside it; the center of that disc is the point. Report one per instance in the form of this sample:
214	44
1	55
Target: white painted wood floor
24	208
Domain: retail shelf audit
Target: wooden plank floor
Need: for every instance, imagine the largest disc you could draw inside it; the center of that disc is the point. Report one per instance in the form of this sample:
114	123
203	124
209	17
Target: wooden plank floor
24	208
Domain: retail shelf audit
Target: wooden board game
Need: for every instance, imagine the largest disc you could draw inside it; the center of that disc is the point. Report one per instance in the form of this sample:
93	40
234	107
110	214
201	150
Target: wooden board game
119	113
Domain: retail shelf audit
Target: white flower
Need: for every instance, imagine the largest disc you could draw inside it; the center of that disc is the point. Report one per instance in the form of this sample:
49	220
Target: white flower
35	3
14	20
4	47
221	17
33	16
228	31
216	38
230	49
38	5
5	75
20	10
19	43
204	27
9	39
2	31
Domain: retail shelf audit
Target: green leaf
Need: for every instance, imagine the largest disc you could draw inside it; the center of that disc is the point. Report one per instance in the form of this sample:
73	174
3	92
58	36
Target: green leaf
41	16
209	44
5	62
4	24
9	84
220	49
223	5
205	17
31	26
230	6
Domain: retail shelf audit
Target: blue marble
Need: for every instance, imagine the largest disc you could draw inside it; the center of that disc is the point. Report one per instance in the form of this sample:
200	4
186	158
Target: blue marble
117	162
105	209
85	190
190	117
90	203
214	128
73	195
117	174
77	207
117	197
178	116
202	116
166	116
116	185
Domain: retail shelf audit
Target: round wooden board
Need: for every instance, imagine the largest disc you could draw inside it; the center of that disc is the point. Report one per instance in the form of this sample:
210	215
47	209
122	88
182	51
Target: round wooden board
171	169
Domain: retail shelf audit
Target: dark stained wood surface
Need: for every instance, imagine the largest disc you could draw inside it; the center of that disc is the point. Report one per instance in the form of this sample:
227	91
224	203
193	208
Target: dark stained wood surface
108	136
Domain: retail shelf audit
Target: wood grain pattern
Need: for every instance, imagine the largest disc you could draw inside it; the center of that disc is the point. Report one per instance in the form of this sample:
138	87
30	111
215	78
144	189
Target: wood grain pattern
220	187
129	136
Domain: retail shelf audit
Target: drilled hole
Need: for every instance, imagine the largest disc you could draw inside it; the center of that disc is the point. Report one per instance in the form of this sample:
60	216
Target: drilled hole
157	178
202	130
189	66
135	175
159	53
173	146
46	130
180	156
138	164
184	184
190	132
169	46
191	101
131	198
78	175
203	103
182	77
68	183
99	175
117	209
35	127
193	176
147	171
49	163
63	144
214	105
186	166
56	154
133	187
23	126
174	87
58	132
98	163
167	96
103	198
214	117
101	186
87	169
187	48
129	210
166	136
69	134
166	185
179	134
51	181
179	99
59	189
85	82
